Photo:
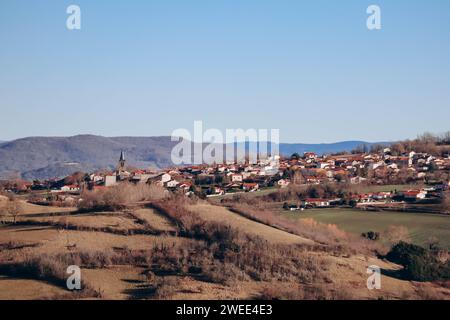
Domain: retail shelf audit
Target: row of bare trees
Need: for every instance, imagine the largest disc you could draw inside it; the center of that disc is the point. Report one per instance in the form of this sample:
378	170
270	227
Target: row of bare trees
120	196
427	142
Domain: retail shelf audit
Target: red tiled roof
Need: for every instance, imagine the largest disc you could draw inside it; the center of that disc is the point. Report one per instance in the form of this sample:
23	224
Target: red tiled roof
316	200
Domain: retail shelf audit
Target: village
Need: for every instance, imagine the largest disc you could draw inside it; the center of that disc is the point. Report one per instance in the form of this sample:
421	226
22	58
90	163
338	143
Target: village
427	174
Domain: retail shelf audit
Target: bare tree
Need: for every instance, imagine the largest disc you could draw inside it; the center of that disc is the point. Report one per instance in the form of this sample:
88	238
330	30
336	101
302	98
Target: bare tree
395	234
13	208
445	138
298	178
446	203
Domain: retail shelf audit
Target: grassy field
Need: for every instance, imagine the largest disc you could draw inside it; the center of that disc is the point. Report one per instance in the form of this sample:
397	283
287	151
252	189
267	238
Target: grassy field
421	226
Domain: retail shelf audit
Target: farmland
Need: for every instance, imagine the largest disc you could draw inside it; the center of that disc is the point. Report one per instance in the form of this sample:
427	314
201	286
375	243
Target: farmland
421	226
140	252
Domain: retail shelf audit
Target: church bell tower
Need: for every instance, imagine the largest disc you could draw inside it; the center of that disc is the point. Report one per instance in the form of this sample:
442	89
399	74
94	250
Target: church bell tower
121	166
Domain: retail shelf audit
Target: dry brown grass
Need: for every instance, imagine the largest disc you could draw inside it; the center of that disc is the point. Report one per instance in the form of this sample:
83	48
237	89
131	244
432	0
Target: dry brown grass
426	292
154	220
50	269
249	226
17	245
253	256
311	292
33	209
212	259
120	196
395	234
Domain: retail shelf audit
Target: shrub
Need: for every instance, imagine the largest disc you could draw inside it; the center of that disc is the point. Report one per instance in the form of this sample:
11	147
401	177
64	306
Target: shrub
166	287
225	249
445	204
371	235
419	263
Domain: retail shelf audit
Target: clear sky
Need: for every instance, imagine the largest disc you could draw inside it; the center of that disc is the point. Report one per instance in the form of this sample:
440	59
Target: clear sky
144	68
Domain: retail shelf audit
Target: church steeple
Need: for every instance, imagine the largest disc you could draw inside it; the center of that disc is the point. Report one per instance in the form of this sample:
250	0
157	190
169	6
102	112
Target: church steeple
121	166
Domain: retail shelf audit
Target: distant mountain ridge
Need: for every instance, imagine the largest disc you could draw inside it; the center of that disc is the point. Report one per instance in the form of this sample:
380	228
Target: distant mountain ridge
47	157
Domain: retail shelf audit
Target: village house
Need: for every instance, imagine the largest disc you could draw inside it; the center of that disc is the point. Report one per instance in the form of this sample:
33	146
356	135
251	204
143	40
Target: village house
96	178
110	180
166	178
317	202
379	196
283	183
237	178
357	180
362	198
413	195
219	191
186	185
375	165
310	155
70	188
251	187
171	184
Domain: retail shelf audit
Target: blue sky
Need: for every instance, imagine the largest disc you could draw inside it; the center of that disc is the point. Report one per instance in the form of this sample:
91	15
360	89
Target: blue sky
144	68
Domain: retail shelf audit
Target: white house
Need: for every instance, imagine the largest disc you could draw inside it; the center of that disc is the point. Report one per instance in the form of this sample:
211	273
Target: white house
172	184
357	180
96	177
236	178
283	183
250	187
324	165
110	180
317	202
375	165
70	188
166	178
415	194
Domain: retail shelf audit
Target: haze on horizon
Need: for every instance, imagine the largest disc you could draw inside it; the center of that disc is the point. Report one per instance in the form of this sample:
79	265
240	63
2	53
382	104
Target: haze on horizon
145	68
